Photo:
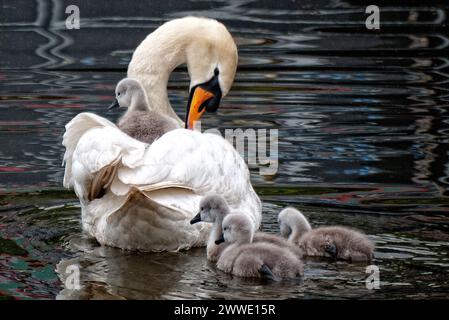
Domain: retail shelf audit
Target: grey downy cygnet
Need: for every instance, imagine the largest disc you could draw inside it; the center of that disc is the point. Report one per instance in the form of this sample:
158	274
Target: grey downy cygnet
336	242
213	209
244	258
139	121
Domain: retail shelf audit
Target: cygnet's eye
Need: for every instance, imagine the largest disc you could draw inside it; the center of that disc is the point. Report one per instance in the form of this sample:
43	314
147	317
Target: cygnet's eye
202	208
119	94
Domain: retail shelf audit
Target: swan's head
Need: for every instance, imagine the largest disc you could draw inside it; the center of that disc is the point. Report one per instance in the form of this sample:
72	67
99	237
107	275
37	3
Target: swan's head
211	56
237	228
292	220
129	93
212	208
209	51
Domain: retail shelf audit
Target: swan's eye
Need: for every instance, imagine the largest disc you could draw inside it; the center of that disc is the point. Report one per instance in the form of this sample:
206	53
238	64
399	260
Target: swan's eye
119	94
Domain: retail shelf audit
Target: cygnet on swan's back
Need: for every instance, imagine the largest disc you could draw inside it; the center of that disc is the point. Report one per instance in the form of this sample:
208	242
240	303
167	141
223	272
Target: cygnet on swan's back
139	121
146	126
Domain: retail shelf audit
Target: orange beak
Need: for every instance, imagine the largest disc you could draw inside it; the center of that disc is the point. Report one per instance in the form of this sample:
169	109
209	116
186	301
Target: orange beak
199	97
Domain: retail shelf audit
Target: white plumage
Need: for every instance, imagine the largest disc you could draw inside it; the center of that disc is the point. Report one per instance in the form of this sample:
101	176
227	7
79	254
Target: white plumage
139	196
152	191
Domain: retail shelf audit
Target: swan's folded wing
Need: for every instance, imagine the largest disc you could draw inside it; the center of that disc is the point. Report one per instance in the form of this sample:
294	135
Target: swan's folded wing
95	148
201	162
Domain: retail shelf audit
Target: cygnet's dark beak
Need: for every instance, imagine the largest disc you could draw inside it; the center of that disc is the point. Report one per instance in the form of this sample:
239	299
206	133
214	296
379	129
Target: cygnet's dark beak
220	240
332	250
114	105
196	218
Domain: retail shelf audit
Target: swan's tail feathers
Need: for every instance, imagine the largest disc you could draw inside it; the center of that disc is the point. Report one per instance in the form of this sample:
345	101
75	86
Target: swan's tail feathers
102	180
161	213
182	202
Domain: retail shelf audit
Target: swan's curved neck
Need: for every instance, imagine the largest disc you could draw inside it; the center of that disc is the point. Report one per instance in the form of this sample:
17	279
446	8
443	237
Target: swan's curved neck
152	63
204	44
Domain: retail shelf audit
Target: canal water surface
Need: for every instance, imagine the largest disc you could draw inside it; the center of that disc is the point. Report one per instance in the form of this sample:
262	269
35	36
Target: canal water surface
363	141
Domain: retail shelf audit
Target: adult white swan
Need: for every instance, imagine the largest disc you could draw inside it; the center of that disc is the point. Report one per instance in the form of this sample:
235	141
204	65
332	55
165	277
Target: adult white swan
139	196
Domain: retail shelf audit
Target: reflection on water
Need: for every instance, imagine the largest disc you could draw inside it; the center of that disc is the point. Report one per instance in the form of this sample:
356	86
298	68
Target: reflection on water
363	141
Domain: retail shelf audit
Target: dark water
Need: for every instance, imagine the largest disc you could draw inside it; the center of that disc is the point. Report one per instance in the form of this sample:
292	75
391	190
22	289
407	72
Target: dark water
363	141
